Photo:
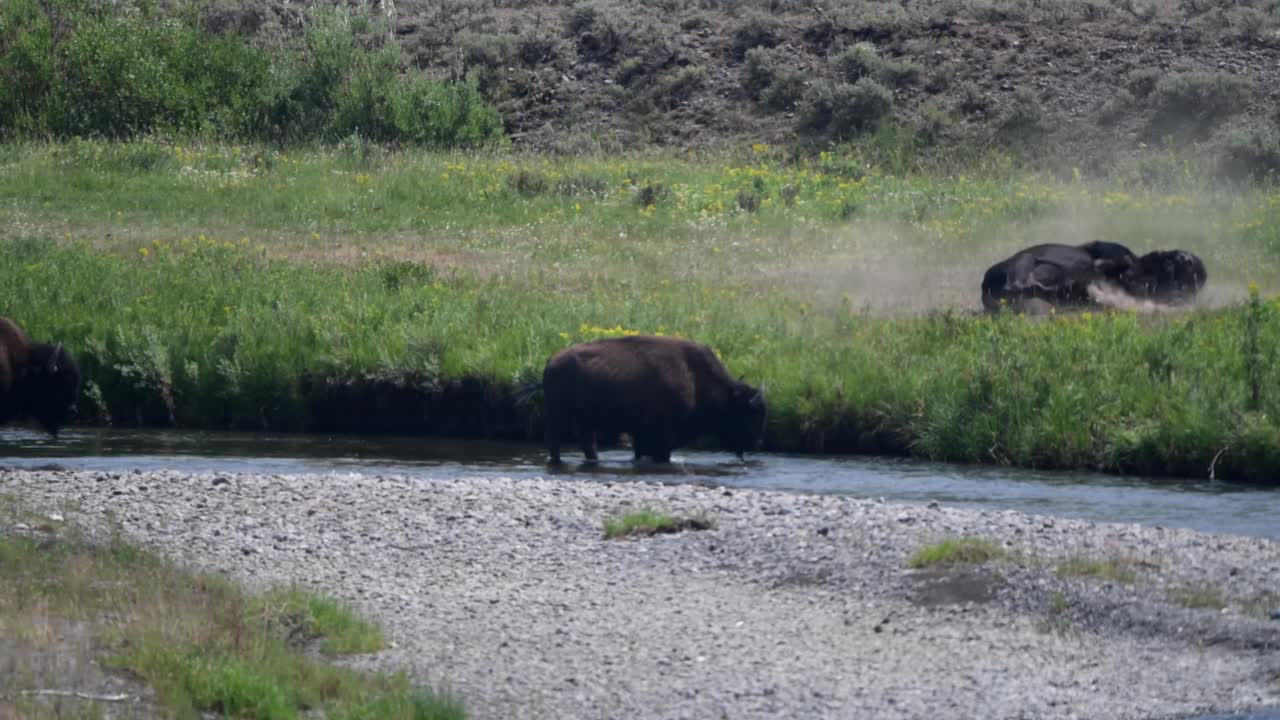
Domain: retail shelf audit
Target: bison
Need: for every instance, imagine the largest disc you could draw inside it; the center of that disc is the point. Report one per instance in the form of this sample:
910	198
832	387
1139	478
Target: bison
1166	276
664	392
1053	273
37	380
1056	275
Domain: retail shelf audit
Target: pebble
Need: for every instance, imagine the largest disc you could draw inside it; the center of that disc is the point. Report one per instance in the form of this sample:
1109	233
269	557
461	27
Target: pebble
506	591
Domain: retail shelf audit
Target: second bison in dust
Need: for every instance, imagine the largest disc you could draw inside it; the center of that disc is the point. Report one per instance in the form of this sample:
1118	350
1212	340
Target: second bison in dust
664	392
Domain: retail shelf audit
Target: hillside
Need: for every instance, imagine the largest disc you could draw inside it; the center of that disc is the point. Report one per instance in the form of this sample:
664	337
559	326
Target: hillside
1082	82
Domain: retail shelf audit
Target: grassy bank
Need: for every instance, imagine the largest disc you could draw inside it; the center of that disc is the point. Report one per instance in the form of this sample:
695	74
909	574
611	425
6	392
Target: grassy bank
348	289
97	628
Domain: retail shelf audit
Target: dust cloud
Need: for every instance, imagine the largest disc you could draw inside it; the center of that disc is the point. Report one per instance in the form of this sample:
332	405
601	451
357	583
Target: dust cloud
902	270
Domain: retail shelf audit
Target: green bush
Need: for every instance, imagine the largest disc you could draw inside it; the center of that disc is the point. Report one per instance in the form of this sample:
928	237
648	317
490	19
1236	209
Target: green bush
858	61
862	60
124	73
845	110
756	30
769	82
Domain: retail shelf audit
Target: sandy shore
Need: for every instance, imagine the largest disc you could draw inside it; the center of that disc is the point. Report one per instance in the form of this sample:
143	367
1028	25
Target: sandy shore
792	606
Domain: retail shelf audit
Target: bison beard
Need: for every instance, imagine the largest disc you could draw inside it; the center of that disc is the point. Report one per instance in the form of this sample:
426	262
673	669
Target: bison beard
664	392
37	380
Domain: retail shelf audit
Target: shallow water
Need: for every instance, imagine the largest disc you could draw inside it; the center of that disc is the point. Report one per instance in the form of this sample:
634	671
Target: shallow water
1202	505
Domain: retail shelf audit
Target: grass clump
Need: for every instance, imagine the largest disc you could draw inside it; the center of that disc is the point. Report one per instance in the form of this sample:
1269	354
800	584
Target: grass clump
1200	597
1121	571
956	551
306	615
203	644
649	522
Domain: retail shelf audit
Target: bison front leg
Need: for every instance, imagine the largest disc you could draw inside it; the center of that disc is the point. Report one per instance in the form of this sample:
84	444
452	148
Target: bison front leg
553	442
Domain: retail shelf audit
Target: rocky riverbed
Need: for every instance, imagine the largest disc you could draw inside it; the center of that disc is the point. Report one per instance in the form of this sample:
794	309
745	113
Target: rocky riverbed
507	592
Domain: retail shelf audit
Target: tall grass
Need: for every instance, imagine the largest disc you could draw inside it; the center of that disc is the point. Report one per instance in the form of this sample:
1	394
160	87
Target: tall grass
348	288
216	334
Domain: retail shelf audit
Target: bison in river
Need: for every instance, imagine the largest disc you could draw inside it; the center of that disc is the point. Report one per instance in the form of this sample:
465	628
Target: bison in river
37	380
664	392
1057	275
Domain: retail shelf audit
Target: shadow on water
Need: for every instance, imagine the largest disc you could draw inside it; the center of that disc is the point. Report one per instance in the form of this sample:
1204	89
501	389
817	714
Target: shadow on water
1202	505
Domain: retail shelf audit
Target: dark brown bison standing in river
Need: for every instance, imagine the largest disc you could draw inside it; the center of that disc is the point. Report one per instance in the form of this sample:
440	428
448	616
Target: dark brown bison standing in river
37	380
1059	276
664	392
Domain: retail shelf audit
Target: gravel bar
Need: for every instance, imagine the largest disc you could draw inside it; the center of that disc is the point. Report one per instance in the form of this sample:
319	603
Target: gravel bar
801	606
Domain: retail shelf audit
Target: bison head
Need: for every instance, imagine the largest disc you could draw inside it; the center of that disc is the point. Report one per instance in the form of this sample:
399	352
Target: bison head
744	420
1169	276
50	386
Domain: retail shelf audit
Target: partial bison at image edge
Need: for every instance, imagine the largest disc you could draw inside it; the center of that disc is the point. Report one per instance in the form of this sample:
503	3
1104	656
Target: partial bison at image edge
37	380
664	392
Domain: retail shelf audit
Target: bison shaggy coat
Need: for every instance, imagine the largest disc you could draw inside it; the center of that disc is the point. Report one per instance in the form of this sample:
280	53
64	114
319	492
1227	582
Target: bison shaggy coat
37	380
664	392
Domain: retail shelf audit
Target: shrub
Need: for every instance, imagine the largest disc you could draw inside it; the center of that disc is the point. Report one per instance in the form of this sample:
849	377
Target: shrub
26	64
1025	121
119	75
679	86
900	73
844	110
972	101
486	50
785	91
756	30
122	73
863	60
1115	107
1196	101
1142	82
758	71
858	61
1252	154
766	80
534	47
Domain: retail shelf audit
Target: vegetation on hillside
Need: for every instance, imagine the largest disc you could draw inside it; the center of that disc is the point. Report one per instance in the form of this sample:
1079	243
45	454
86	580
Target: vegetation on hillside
75	68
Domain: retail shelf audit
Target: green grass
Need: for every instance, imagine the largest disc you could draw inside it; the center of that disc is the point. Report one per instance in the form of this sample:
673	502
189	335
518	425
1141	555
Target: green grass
1199	597
248	288
1121	571
202	643
340	631
649	522
956	551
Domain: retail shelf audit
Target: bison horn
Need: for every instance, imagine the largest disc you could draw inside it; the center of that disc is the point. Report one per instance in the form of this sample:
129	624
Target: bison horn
758	399
52	366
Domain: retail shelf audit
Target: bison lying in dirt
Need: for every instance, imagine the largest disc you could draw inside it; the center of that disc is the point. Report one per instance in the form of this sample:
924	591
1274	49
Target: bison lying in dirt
37	380
1060	276
664	392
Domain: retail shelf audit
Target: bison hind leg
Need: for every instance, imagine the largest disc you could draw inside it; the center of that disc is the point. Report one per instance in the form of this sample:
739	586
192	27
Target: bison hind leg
654	445
588	436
